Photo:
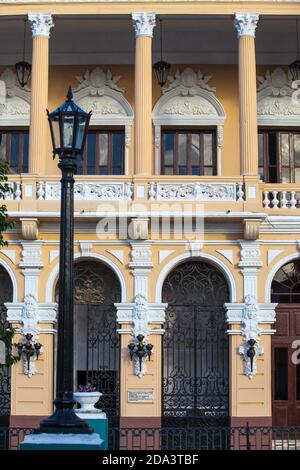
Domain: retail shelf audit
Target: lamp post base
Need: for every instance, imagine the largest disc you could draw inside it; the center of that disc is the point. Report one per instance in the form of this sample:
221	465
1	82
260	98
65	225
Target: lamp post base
64	420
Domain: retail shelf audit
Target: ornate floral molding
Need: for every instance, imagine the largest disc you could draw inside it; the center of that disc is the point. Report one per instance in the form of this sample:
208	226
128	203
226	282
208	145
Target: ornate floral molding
193	191
14	100
88	191
188	97
40	23
246	23
275	103
140	317
250	315
141	314
143	23
98	92
30	313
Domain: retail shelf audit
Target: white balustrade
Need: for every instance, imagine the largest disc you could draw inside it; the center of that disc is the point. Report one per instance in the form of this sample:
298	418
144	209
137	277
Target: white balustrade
281	200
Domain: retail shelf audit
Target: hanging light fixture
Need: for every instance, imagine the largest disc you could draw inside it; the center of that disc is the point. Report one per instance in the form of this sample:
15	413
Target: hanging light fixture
161	68
294	68
23	68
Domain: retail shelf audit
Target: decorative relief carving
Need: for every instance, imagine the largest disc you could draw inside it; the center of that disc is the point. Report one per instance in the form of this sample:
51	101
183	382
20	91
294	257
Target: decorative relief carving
40	23
188	82
250	255
274	97
143	23
98	92
30	229
251	316
140	317
188	97
91	191
246	23
15	100
193	191
250	349
29	316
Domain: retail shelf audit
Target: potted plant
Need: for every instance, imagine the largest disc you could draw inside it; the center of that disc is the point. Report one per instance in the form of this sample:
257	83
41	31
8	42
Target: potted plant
87	396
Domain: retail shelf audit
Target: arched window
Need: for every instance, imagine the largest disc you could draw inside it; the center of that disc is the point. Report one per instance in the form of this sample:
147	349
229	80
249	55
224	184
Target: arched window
107	147
286	284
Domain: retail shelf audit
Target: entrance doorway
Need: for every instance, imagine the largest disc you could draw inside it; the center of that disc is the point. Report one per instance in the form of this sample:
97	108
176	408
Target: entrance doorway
285	371
195	385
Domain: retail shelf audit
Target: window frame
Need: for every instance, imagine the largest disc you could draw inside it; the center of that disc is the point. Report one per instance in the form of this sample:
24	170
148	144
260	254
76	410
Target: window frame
201	130
291	131
21	130
110	131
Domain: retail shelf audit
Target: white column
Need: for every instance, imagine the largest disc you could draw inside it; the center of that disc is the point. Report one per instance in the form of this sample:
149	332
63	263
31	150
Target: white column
250	264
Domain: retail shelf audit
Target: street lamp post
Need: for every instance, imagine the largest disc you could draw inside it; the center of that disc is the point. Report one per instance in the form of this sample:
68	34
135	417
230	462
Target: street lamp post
68	125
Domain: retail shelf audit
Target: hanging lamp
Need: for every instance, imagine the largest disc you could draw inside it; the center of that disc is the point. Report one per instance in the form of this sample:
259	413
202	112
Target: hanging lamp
23	68
294	67
161	68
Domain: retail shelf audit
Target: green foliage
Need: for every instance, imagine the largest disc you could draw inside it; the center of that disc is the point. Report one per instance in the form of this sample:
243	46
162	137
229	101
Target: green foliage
6	335
5	190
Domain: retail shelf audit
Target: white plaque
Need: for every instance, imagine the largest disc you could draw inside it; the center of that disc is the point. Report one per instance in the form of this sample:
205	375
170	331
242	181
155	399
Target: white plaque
141	396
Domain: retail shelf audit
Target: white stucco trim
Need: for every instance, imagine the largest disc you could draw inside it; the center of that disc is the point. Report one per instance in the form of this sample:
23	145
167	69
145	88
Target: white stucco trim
12	278
203	257
274	270
50	285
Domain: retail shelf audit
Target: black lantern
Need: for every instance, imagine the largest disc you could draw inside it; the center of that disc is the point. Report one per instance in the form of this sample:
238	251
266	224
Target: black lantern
68	125
294	68
23	68
161	68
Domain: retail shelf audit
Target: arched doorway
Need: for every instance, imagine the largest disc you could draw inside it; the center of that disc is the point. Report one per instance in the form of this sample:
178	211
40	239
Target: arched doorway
96	341
6	295
195	387
285	291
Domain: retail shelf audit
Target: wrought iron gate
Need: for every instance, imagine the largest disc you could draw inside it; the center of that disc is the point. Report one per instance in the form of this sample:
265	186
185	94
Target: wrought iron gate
100	362
6	295
96	340
5	385
195	347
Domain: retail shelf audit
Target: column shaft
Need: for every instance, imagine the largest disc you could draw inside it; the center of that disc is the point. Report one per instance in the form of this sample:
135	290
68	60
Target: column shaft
248	106
39	102
143	106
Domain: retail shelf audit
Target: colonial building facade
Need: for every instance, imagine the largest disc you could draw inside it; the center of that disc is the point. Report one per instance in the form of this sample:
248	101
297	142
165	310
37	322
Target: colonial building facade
186	208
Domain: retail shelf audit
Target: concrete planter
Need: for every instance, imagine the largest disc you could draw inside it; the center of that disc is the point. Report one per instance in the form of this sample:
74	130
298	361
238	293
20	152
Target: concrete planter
87	401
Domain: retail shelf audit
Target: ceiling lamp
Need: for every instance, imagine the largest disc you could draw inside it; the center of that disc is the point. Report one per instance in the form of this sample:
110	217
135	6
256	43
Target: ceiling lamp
294	68
161	68
23	68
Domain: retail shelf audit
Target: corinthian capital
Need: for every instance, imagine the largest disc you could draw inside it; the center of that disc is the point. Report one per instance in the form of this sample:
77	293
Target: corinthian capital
143	23
245	23
40	23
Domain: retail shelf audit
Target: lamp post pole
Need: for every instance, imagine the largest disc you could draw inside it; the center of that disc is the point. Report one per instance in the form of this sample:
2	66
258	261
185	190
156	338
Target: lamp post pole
64	418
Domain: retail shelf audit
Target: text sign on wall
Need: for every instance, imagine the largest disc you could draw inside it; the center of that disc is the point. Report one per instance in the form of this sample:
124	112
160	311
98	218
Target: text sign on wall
2	352
141	396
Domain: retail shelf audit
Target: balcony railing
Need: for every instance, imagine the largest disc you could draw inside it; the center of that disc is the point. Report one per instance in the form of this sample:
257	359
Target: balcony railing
281	196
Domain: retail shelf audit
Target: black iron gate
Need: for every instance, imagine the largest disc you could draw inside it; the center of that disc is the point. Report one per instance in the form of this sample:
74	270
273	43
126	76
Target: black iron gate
195	348
5	385
99	361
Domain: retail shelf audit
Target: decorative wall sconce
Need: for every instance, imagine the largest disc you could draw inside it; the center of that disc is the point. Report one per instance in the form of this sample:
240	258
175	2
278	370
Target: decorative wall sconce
138	352
30	351
251	352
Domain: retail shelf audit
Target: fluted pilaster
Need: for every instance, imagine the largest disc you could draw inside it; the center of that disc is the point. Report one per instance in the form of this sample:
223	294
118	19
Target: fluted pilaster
143	24
40	25
245	24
